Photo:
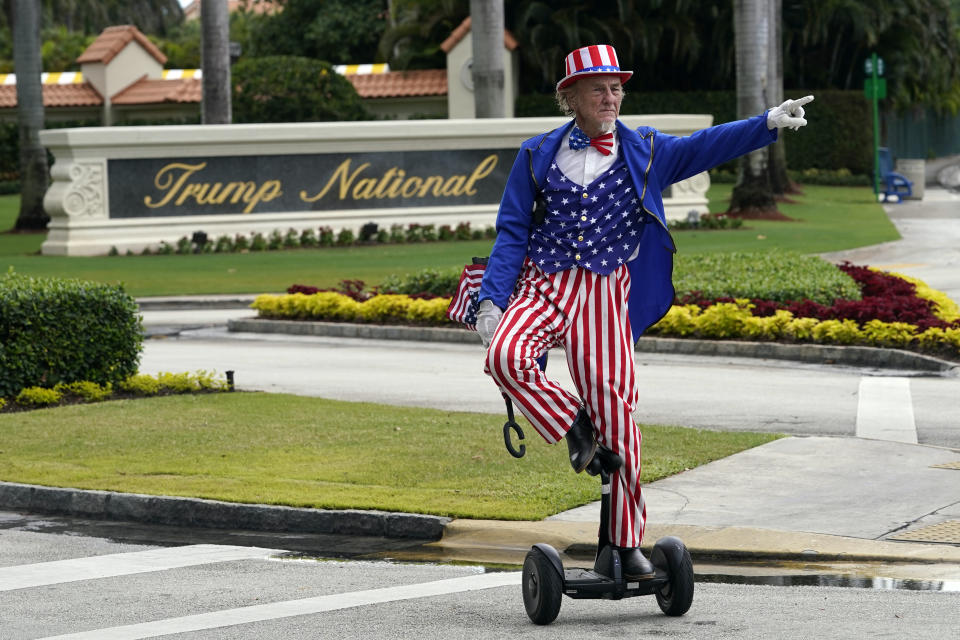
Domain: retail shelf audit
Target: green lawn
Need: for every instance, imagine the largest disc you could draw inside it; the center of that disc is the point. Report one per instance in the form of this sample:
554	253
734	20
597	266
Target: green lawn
826	219
310	452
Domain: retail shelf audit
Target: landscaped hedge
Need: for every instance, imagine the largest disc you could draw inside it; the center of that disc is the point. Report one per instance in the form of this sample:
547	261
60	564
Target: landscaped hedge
139	385
779	276
873	315
60	331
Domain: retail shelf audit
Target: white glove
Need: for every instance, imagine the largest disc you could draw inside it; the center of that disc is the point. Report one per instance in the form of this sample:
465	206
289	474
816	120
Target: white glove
789	114
488	317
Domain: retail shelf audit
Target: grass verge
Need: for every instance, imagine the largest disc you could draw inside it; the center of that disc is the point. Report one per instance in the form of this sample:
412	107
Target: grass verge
825	219
310	452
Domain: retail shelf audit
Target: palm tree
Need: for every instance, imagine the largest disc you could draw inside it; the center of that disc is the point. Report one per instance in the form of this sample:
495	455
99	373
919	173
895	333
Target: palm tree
486	27
780	182
215	19
33	156
752	193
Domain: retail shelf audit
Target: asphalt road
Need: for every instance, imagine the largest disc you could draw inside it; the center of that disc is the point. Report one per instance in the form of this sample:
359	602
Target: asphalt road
75	586
706	392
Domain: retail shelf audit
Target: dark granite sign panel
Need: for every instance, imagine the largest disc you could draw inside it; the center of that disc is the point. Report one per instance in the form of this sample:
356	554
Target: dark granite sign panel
155	187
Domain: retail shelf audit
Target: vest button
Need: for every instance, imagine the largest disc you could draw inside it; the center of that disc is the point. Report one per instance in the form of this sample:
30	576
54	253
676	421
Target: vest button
580	238
577	257
584	194
584	218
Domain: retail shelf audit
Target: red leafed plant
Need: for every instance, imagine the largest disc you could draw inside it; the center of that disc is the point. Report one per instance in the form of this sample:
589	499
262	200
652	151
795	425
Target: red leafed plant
884	297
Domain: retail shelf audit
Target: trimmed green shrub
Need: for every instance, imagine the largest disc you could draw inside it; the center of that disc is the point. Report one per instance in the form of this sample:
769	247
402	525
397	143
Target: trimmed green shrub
37	397
85	390
292	89
54	330
780	276
432	281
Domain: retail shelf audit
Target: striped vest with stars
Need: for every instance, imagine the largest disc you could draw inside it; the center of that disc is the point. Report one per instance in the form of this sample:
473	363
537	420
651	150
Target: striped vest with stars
596	227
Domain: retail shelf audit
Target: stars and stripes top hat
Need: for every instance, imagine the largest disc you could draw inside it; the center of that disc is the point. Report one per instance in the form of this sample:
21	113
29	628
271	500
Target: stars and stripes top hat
595	60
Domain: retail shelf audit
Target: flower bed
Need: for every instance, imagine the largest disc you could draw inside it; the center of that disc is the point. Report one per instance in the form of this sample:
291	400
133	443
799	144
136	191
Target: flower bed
893	311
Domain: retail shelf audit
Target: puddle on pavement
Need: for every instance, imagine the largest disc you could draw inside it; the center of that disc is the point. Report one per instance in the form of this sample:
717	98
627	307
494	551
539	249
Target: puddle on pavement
882	576
305	547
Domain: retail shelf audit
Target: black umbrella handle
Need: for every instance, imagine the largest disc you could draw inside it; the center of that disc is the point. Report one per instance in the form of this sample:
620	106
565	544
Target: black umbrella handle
512	424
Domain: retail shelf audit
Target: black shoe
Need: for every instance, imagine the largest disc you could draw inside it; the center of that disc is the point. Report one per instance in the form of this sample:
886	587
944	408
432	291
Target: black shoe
580	442
604	460
635	565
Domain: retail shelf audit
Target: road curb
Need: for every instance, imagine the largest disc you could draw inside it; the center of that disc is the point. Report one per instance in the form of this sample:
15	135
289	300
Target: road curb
214	514
852	356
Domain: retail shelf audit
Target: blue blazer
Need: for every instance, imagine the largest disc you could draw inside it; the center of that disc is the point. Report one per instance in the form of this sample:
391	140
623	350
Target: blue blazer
655	160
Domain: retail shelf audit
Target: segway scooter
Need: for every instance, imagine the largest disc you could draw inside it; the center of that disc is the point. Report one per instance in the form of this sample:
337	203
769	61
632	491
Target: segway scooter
545	581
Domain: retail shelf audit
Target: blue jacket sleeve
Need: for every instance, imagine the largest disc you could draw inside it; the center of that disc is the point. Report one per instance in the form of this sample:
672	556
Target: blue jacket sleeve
514	220
678	158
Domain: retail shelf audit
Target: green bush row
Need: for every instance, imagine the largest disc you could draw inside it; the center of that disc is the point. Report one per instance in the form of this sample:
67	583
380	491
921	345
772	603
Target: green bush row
140	384
60	331
322	237
780	276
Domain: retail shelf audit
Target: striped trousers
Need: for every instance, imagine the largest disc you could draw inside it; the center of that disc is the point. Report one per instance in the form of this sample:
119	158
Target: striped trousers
586	314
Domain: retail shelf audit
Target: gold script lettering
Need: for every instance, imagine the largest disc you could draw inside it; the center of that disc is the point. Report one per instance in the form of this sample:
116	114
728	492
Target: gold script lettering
165	181
346	179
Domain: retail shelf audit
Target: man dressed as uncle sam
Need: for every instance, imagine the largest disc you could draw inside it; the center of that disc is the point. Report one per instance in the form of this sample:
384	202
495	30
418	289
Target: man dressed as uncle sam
583	260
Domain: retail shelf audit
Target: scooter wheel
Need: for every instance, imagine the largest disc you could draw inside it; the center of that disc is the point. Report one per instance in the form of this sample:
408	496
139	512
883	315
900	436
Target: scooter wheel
542	588
676	596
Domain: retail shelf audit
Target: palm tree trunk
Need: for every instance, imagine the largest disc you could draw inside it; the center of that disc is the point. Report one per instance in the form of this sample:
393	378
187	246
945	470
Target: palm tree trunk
215	27
777	153
486	27
752	193
34	176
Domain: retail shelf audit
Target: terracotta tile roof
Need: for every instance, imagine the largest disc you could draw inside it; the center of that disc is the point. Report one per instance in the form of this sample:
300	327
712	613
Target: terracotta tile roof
56	95
192	10
460	33
112	41
147	91
395	84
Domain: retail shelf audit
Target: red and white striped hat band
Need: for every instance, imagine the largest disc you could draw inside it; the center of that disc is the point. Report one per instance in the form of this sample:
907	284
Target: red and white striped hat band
595	60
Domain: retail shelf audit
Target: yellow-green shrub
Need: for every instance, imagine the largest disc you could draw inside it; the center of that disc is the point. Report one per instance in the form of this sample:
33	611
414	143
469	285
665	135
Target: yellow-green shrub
678	321
723	320
38	397
888	334
3	403
141	384
837	332
86	390
429	311
385	307
768	327
800	329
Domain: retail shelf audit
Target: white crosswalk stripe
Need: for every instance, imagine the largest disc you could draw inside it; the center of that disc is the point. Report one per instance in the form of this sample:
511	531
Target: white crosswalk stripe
122	564
290	608
885	410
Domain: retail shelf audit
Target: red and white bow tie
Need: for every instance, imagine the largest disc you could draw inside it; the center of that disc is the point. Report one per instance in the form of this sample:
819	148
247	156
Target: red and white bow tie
602	143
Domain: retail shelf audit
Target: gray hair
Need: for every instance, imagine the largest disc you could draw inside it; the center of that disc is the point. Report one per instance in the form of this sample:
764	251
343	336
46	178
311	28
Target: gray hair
566	99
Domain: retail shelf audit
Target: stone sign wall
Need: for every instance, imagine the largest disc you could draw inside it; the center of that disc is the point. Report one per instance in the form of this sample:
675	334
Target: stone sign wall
132	187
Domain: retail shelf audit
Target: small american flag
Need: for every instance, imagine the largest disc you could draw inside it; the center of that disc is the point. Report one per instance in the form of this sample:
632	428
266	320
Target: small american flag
464	306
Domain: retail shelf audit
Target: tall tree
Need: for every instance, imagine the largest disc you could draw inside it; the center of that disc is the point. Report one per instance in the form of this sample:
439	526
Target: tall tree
486	28
776	153
33	156
215	19
752	193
